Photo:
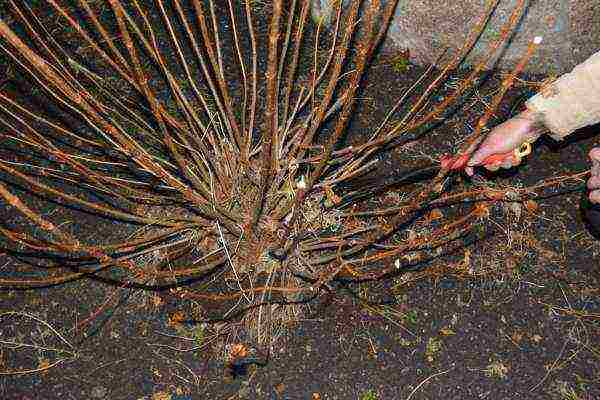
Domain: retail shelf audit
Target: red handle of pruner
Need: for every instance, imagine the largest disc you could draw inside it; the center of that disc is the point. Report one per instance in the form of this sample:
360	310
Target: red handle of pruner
460	162
497	159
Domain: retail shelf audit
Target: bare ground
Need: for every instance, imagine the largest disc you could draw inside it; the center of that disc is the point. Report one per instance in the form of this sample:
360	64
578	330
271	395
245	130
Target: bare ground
523	323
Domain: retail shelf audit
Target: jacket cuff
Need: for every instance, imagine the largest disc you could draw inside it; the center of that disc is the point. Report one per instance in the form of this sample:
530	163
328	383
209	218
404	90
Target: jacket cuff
572	101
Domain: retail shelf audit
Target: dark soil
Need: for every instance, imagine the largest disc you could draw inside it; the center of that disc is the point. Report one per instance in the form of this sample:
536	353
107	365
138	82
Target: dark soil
528	328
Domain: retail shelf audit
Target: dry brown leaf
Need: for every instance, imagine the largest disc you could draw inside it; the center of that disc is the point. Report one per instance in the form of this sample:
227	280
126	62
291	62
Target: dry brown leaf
447	331
161	396
238	350
517	337
531	206
44	364
176	319
156	301
435	214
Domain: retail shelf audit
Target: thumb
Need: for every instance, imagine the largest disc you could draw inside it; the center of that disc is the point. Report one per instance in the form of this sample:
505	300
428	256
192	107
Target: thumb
595	157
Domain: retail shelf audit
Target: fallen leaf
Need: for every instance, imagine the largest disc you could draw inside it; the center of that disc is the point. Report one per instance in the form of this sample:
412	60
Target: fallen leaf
401	62
432	349
447	332
280	389
435	214
531	206
497	370
238	350
176	319
517	337
332	198
161	396
481	210
156	301
536	338
44	364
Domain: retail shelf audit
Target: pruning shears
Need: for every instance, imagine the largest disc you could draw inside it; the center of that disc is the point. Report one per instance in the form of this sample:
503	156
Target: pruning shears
495	160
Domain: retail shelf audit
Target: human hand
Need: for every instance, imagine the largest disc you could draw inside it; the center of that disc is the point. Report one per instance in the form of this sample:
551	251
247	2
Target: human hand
594	182
504	139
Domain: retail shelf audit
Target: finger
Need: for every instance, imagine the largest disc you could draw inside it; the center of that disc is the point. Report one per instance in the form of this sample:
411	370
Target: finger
595	196
594	183
508	163
595	157
492	167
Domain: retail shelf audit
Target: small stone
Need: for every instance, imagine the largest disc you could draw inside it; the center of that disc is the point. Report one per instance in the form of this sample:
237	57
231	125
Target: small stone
99	392
244	390
279	389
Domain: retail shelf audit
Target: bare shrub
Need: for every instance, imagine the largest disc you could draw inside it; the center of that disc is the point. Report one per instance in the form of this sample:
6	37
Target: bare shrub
219	147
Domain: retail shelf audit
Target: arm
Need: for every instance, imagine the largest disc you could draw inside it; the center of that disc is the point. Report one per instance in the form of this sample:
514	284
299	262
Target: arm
572	101
569	103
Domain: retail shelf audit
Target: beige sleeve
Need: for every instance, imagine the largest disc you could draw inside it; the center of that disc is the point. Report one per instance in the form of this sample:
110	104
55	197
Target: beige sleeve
572	101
